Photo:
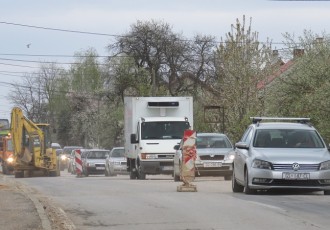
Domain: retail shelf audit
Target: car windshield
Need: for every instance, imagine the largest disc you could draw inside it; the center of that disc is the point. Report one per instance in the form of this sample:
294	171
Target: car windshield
163	130
287	138
98	154
213	142
117	153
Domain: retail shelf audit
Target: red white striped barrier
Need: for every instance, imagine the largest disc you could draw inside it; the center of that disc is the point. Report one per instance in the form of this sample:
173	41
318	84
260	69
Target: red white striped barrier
78	162
188	156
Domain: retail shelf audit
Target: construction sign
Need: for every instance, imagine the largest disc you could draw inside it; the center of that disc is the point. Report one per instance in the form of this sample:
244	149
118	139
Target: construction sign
188	161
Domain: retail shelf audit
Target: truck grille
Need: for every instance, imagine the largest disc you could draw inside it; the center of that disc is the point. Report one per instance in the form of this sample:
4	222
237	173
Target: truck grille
166	156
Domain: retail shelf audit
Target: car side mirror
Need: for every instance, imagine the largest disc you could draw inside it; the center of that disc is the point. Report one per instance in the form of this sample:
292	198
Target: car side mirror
241	145
176	147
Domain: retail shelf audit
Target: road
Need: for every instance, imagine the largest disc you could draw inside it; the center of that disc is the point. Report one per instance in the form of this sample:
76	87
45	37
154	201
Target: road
98	202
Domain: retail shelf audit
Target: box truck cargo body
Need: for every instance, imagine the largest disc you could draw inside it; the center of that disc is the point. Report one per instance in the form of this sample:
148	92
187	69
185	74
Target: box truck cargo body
153	126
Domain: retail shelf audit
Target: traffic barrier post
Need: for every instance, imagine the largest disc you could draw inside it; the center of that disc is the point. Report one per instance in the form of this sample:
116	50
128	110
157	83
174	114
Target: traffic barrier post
188	162
78	162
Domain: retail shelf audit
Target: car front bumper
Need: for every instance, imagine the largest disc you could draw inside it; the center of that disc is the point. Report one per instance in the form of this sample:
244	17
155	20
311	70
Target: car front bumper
213	168
96	169
270	179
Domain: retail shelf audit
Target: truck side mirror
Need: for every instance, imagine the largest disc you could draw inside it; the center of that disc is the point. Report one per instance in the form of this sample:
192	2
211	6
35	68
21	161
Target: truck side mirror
134	139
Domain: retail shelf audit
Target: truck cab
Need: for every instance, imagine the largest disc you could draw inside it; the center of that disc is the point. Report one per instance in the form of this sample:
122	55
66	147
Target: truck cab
153	126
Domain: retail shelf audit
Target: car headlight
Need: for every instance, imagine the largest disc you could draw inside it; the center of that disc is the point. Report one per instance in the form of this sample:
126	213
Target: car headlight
325	165
63	157
260	164
10	159
230	157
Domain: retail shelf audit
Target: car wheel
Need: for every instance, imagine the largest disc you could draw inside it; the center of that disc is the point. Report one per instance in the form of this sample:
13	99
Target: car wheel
176	177
326	192
228	177
235	186
106	173
247	189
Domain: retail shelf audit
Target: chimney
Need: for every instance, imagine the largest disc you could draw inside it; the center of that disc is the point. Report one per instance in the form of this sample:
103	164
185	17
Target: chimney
298	53
275	53
319	40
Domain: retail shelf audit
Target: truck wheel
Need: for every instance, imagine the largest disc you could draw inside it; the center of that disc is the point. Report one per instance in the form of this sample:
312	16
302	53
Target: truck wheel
19	174
132	175
141	174
4	169
52	173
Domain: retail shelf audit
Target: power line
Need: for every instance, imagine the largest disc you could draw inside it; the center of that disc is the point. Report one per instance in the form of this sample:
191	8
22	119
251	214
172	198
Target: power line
52	55
62	30
110	35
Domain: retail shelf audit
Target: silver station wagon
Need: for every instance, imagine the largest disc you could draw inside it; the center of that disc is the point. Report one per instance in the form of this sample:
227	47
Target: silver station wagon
285	153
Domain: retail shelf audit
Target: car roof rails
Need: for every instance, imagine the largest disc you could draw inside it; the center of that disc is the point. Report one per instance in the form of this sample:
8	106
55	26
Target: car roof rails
302	120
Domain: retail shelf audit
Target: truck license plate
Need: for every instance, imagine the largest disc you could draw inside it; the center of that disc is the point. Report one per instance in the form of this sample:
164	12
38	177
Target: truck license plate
295	176
100	168
167	168
212	164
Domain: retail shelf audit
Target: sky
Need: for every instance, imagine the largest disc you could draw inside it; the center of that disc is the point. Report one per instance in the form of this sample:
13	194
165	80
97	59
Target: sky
37	31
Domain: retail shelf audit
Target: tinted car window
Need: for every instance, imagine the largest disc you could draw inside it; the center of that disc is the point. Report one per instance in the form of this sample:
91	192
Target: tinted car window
287	138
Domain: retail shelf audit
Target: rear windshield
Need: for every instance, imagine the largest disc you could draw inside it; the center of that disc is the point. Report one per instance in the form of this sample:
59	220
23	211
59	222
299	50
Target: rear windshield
287	138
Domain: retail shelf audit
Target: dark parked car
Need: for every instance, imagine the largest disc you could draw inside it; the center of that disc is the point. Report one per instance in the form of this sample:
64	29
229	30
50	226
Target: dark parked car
94	161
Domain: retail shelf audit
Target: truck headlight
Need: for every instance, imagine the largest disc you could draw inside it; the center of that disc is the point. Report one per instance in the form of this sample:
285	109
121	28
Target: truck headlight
325	165
260	164
63	157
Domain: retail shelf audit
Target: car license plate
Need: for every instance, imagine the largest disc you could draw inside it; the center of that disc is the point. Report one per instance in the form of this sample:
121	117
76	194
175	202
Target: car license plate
295	176
212	164
100	168
167	167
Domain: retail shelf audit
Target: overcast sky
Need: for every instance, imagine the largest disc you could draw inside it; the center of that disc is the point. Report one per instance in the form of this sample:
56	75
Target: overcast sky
114	17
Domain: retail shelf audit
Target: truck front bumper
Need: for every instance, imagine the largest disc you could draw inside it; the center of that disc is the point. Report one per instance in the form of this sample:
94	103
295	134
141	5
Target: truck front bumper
157	167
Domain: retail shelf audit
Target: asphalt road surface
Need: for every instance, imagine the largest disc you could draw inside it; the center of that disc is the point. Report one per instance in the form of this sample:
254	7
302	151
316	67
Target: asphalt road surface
99	202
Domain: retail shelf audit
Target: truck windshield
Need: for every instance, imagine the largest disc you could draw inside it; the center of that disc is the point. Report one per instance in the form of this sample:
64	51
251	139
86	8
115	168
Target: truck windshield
4	124
163	130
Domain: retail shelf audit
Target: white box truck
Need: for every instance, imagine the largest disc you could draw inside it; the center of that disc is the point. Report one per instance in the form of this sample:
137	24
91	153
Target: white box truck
153	126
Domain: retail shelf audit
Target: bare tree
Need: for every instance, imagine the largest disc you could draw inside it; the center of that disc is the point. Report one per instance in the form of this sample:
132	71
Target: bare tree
241	62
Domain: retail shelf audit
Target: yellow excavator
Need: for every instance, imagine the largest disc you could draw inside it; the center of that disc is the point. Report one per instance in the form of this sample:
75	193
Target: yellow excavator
33	154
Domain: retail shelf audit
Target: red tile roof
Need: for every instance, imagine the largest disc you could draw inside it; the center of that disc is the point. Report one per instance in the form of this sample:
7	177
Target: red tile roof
269	79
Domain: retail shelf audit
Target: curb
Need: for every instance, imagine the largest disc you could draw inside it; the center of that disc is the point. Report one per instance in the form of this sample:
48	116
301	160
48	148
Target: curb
51	216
